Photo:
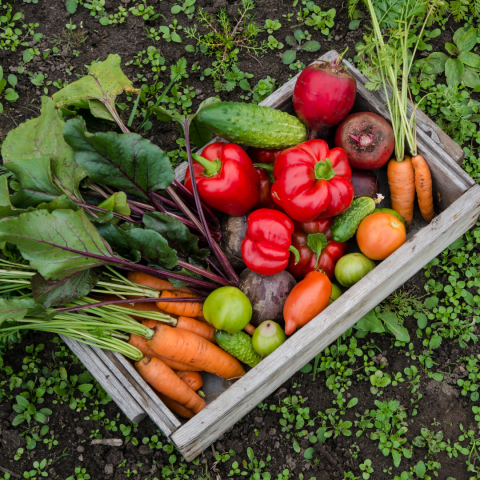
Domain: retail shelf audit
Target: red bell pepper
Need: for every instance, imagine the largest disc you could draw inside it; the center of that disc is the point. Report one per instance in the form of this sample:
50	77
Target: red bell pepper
226	178
264	188
316	248
312	181
267	243
263	155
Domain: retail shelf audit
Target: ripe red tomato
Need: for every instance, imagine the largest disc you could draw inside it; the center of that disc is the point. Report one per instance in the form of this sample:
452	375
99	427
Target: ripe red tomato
380	234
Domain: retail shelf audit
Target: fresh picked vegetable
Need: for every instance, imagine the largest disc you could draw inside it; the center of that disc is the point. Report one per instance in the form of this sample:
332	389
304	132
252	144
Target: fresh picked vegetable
268	336
253	125
336	293
401	178
379	235
267	245
239	345
264	155
316	248
392	212
227	308
423	187
226	178
365	183
312	181
233	232
352	267
307	299
344	226
265	187
323	95
367	139
267	293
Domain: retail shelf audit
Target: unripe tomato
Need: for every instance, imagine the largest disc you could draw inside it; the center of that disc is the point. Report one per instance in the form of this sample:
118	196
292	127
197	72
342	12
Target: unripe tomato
380	234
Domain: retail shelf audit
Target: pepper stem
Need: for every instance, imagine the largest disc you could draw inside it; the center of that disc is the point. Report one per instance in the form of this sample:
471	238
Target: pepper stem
211	167
265	166
293	250
324	170
317	242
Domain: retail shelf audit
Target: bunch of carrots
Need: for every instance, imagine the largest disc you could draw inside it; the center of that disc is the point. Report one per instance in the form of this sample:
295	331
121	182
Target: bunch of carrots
174	356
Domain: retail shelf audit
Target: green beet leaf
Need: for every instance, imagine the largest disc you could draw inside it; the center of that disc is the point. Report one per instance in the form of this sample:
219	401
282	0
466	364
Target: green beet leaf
6	207
176	234
57	244
126	162
370	323
60	292
17	308
98	90
37	138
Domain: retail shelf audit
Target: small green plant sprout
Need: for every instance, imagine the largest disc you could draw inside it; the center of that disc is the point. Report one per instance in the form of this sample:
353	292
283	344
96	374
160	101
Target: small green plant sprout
37	471
119	17
225	456
271	25
19	454
319	20
263	89
235	470
349	476
80	474
144	11
27	411
366	468
187	7
296	41
96	7
256	466
273	43
176	472
434	441
169	34
462	66
8	94
419	471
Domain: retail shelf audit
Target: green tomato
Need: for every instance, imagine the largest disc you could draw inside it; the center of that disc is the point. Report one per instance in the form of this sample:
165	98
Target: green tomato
336	292
351	268
392	212
268	336
227	308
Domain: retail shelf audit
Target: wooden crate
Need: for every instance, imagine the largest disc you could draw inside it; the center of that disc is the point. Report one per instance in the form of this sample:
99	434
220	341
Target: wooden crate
458	199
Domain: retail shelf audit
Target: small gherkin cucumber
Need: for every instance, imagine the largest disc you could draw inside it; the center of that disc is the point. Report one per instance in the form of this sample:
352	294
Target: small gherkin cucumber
239	345
345	225
253	125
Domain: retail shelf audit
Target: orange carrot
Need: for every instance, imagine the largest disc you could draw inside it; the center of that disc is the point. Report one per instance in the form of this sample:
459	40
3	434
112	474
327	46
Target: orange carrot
180	308
141	344
153	282
201	329
423	185
193	379
190	349
250	329
163	379
401	179
176	407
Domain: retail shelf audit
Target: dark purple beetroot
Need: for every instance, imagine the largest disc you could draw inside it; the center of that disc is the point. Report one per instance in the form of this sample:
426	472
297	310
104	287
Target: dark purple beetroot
365	183
367	139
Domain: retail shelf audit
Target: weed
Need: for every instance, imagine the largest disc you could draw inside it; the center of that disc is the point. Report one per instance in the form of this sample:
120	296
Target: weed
80	474
173	472
27	411
144	11
8	94
272	25
119	17
366	468
187	7
169	34
14	33
434	441
296	41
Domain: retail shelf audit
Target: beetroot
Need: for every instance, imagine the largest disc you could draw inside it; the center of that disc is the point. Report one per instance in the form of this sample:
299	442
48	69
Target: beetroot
365	183
323	95
367	139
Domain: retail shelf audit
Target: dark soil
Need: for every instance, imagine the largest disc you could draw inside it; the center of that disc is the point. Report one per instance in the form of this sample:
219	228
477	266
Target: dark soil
441	408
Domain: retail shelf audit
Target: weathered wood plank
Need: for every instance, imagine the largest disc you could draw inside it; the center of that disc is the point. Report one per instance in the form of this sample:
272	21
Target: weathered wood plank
121	395
269	374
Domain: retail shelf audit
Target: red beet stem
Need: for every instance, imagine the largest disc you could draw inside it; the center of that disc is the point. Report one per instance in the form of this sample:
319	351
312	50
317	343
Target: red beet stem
364	140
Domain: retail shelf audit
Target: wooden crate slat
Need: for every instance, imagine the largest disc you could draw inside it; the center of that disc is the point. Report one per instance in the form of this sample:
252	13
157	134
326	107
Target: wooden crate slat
119	393
278	367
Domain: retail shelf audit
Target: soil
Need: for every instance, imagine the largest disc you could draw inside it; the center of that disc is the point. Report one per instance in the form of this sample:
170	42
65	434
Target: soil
442	406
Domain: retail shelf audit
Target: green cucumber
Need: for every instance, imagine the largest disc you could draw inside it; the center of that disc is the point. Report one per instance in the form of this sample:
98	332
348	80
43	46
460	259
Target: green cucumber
252	125
345	225
239	345
391	212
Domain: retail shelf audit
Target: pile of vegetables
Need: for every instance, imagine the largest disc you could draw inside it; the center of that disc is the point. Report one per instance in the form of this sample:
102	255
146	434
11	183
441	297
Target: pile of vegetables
100	243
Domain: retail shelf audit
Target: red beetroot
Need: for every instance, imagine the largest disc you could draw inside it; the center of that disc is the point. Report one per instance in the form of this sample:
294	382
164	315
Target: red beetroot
365	183
323	95
367	138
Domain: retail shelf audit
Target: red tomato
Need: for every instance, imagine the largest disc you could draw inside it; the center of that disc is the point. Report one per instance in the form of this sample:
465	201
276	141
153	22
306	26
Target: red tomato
380	234
308	298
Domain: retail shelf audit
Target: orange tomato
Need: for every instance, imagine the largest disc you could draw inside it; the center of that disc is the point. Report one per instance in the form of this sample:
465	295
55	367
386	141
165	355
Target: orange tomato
380	234
307	299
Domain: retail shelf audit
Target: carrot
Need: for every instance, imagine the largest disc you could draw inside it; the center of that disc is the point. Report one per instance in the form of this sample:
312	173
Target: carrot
193	379
190	349
201	329
401	179
141	344
250	329
153	282
423	185
176	407
180	308
163	379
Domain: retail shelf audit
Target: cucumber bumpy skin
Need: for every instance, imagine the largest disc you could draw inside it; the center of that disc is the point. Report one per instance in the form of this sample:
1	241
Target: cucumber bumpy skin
345	225
239	345
253	125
